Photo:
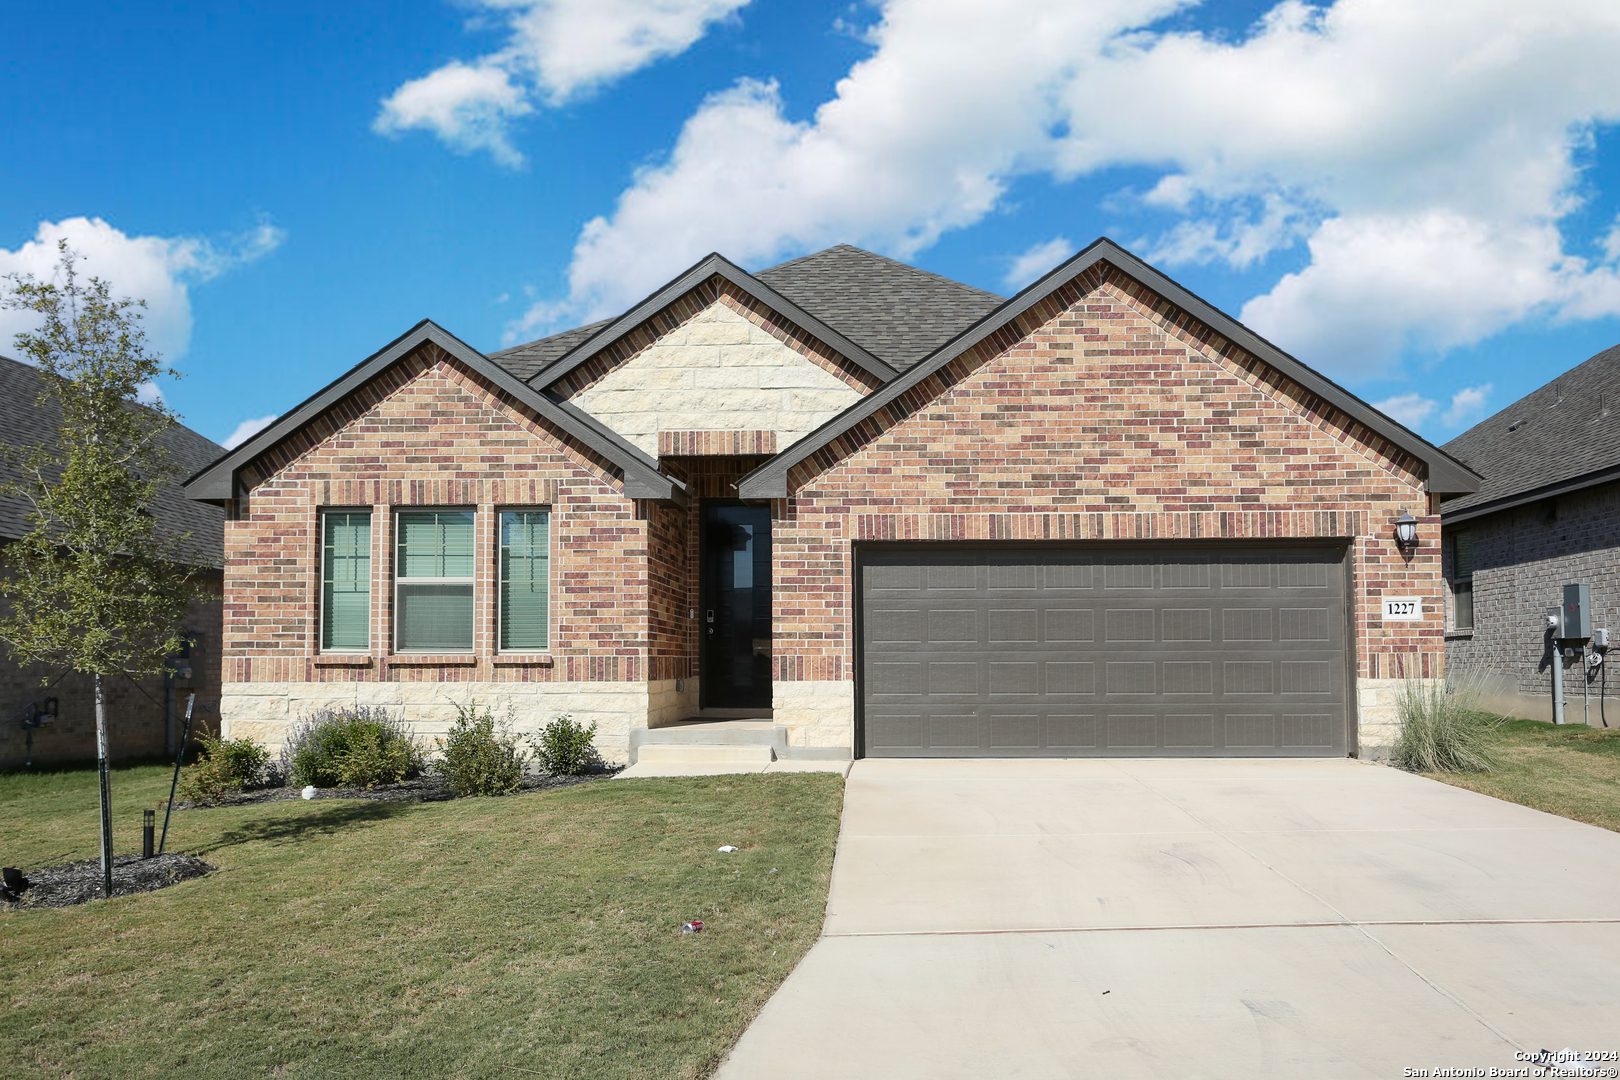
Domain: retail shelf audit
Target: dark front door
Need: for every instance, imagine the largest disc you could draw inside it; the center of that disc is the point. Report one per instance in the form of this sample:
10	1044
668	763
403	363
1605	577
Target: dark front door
735	620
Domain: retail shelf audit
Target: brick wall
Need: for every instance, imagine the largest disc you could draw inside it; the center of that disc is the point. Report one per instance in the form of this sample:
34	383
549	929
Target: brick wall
1104	414
1523	558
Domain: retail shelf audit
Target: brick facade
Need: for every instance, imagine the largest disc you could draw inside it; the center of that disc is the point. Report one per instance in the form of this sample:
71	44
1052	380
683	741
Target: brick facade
1523	558
1103	413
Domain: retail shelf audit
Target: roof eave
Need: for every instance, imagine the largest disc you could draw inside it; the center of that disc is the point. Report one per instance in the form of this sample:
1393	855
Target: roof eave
1445	474
711	265
1605	475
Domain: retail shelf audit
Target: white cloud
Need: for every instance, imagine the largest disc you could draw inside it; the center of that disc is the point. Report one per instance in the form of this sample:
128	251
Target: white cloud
246	430
159	270
1408	409
149	393
1424	153
1467	405
556	51
1414	410
1035	261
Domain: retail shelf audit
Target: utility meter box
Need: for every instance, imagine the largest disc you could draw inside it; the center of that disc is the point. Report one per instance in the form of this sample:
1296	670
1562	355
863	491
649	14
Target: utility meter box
1577	613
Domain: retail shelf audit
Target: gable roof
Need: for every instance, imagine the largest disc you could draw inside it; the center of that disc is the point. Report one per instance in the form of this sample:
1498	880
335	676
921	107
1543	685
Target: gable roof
1562	437
642	480
899	312
712	265
1445	474
527	361
24	422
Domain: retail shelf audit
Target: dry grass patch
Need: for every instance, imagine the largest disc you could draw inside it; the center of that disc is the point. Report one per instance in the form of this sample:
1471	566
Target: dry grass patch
462	939
1570	770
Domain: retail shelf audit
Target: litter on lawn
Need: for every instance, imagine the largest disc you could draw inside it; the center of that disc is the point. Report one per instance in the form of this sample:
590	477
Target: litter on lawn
725	847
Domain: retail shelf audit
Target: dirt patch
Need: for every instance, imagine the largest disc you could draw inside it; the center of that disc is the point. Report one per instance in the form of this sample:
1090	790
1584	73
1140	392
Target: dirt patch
429	788
75	883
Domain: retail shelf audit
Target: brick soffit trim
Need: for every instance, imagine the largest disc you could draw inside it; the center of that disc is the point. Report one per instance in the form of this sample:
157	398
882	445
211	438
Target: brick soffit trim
642	480
771	480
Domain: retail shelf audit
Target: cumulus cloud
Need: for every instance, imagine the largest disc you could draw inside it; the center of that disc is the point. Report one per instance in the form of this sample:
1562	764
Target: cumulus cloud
555	51
1414	410
247	429
157	269
1035	261
1423	154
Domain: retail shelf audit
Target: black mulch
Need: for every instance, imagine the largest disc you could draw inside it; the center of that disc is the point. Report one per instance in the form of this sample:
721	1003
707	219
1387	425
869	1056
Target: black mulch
428	788
74	883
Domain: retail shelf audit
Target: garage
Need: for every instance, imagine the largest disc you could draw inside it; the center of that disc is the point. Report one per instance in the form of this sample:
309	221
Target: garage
1101	649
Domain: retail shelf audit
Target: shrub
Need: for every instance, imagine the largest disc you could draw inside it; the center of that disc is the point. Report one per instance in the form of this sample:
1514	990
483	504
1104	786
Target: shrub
564	748
225	768
350	746
480	754
1443	728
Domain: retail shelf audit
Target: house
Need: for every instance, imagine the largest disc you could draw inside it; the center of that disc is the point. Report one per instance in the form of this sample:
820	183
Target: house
874	511
1546	516
144	717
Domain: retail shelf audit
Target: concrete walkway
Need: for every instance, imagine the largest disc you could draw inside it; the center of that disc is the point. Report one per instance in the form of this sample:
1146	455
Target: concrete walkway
1184	919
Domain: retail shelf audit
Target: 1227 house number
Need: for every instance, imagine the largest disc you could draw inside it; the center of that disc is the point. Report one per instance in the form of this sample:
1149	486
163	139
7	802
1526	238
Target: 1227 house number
1403	609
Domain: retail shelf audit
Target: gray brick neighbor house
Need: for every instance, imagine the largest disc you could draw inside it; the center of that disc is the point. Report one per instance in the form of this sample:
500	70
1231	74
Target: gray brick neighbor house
1547	515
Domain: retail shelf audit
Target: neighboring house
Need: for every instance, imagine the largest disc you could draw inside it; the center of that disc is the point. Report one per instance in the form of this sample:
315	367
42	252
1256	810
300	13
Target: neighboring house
1547	515
143	717
892	514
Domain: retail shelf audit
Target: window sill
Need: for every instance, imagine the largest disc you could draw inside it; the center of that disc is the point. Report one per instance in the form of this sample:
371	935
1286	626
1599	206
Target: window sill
1459	635
431	659
344	660
522	660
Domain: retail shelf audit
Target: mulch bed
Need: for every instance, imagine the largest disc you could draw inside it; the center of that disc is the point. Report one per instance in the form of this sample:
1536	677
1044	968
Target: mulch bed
75	883
429	788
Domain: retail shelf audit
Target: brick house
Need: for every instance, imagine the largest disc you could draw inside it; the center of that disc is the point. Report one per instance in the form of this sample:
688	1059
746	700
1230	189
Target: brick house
143	716
1547	515
870	510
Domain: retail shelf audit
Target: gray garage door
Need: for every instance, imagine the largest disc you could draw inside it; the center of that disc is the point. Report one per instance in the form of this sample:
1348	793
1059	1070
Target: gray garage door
999	651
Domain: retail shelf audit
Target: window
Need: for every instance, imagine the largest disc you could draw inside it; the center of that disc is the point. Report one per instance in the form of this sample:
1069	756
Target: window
1462	578
433	597
524	580
345	580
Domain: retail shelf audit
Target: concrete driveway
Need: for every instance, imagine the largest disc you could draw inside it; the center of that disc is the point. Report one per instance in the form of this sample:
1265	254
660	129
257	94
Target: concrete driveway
1194	919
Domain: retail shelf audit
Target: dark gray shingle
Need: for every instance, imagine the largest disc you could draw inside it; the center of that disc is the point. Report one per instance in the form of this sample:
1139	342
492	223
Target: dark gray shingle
525	361
898	312
24	422
1566	429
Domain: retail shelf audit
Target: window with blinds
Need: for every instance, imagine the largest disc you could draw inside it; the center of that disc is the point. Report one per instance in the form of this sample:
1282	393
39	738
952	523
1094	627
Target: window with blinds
525	559
433	581
345	580
1462	578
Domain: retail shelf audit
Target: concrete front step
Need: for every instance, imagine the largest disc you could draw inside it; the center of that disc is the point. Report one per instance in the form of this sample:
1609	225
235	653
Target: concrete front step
681	753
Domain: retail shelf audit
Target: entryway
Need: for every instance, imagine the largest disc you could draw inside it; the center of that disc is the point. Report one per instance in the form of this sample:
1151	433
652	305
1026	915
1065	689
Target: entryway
735	615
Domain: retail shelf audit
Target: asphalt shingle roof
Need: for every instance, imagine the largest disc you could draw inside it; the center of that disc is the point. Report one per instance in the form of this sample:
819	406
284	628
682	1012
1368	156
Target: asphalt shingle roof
897	312
24	422
1566	429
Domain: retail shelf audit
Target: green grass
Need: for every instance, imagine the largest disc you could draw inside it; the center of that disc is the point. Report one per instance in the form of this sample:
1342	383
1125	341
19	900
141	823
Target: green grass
1570	770
530	935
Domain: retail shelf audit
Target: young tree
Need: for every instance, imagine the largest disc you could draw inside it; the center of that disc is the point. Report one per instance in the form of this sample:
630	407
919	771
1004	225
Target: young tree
94	585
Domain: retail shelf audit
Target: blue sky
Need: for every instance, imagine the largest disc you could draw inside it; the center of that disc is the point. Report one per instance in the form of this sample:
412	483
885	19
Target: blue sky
1419	200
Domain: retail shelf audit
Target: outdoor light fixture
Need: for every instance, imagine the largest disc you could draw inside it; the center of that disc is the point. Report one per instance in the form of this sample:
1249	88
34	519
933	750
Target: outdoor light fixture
1406	530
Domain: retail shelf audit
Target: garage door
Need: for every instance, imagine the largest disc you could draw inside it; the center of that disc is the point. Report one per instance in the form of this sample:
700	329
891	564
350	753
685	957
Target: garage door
1147	651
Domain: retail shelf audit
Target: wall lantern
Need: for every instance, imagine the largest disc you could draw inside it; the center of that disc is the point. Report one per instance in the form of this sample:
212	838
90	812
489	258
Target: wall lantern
1406	531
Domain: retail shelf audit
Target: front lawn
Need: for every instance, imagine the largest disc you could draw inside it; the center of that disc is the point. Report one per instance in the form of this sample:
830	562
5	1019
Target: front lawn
532	935
1570	770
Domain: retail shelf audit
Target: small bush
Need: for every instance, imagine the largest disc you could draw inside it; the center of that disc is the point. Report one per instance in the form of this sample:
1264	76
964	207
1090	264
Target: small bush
480	754
564	748
351	746
225	768
1442	728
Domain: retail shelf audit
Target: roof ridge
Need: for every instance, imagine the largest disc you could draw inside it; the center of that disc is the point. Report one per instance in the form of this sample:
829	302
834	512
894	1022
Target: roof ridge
908	267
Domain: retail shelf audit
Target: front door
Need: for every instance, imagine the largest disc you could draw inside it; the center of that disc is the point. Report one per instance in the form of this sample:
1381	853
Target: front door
735	619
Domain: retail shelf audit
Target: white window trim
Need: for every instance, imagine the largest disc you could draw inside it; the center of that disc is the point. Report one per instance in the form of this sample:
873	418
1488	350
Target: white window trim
399	579
321	648
551	617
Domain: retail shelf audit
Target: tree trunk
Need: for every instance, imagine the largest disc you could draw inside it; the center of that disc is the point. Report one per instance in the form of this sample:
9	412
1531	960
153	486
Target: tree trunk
106	790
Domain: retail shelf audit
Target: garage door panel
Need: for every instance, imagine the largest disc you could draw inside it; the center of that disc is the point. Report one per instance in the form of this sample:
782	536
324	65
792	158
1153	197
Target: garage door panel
969	651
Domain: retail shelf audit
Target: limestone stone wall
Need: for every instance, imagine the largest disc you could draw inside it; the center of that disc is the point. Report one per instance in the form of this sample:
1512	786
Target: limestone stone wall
817	713
718	371
264	711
